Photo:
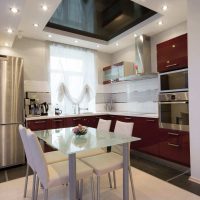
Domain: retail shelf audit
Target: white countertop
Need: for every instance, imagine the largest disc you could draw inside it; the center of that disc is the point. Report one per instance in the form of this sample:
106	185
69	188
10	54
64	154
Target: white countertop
131	114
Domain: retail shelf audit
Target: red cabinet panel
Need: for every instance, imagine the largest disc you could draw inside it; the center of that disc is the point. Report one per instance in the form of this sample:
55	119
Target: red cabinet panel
174	146
58	123
36	125
172	54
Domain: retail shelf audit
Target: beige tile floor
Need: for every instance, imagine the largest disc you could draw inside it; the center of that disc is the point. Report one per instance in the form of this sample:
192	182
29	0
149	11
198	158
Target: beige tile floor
147	188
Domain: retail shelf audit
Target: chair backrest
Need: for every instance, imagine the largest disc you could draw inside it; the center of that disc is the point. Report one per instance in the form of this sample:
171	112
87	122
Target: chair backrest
123	129
29	157
38	158
104	125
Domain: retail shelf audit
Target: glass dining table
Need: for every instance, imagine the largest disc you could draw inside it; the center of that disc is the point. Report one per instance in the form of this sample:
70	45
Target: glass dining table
68	143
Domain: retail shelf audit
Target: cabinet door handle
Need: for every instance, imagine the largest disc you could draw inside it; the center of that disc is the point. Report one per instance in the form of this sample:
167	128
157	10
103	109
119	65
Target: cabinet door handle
75	119
128	118
57	120
175	134
173	145
40	122
150	120
171	65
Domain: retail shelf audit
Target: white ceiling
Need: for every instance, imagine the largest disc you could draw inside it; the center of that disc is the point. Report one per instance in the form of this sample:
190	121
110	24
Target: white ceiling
31	12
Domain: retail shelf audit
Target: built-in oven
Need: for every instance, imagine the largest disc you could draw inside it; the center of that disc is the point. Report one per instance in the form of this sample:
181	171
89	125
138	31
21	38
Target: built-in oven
174	81
174	111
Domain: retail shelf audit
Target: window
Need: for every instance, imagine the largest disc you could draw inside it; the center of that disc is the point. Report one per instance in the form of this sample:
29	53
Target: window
72	75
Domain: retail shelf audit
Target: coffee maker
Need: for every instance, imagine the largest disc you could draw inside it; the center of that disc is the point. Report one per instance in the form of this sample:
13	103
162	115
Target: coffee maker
44	108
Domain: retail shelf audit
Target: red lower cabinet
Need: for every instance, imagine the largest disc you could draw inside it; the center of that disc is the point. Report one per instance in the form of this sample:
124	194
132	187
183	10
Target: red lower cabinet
174	146
36	125
58	123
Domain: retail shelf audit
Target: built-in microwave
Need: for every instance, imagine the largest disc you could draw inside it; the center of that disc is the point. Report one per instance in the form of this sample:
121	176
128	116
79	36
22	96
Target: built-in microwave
174	81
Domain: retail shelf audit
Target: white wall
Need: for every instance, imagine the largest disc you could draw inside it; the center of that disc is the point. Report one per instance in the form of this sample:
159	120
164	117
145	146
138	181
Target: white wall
194	82
126	54
163	36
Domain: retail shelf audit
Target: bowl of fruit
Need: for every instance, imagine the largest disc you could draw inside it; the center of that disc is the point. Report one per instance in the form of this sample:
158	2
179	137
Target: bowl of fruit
79	130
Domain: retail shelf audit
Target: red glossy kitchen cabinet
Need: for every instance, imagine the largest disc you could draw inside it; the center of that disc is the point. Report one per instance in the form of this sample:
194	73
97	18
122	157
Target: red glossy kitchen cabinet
36	125
58	123
174	146
172	54
147	130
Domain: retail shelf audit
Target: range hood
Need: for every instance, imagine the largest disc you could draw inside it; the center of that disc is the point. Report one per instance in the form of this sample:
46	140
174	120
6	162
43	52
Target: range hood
142	62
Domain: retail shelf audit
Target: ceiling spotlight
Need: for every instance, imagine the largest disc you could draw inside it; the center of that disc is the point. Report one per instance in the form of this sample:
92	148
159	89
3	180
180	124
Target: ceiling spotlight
44	7
14	10
98	46
135	35
6	44
117	44
35	25
164	7
10	31
50	36
76	41
141	38
160	23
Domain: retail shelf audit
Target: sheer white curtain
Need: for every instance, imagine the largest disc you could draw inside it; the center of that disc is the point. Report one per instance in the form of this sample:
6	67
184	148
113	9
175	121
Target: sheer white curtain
72	75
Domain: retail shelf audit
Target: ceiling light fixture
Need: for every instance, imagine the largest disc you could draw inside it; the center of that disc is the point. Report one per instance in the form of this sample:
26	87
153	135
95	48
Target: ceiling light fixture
160	23
44	7
76	41
98	46
10	31
50	36
14	10
36	25
6	44
164	7
135	35
117	44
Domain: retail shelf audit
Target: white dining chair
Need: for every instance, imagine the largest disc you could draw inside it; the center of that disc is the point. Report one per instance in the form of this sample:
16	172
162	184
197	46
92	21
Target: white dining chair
109	162
57	173
50	157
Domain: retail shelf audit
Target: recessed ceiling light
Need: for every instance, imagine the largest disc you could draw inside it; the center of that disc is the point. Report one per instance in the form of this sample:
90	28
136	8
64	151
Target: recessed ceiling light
50	36
98	46
164	7
44	7
135	35
10	30
6	44
14	10
76	41
141	38
117	44
160	23
36	25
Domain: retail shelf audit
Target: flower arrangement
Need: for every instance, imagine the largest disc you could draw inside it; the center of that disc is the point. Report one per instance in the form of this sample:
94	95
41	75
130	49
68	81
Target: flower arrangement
80	130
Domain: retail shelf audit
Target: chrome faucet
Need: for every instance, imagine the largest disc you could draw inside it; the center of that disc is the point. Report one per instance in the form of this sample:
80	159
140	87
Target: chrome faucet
79	109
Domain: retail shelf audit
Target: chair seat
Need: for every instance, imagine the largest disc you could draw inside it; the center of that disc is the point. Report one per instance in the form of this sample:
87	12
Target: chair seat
89	153
59	173
104	163
54	156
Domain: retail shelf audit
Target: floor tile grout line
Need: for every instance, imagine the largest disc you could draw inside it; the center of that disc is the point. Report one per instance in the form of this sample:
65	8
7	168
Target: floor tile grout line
178	175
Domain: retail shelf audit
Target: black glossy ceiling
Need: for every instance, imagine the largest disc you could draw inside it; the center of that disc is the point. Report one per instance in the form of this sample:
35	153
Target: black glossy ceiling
102	19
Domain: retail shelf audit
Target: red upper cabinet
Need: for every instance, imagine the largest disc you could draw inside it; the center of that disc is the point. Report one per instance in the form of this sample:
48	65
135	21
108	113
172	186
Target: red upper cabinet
172	54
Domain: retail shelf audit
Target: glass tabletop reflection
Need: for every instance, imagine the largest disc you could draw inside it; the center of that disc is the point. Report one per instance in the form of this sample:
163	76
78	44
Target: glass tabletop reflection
67	142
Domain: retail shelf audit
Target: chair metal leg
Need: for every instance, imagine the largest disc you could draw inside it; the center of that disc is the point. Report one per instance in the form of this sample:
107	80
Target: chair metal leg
33	187
45	194
92	188
98	187
114	178
36	187
109	178
81	189
132	185
26	180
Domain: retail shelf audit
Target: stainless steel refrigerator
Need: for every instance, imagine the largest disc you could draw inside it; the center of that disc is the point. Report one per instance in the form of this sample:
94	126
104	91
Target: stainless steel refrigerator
11	110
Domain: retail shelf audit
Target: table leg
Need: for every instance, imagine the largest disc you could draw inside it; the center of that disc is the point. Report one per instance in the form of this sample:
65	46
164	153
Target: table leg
72	176
125	171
